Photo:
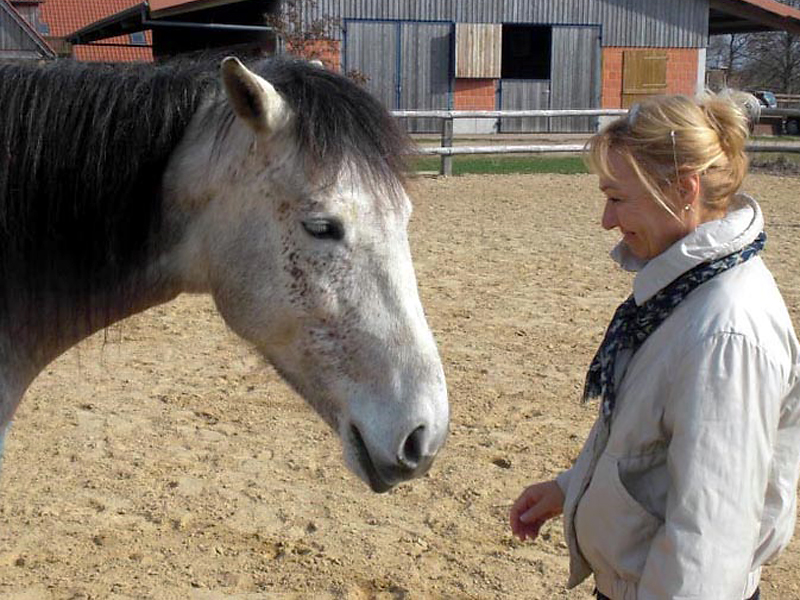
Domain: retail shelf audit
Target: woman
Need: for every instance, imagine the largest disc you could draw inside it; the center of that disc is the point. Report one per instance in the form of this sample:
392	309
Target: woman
687	482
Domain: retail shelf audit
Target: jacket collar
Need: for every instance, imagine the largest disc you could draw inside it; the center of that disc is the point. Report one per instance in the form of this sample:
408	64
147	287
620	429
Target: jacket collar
711	240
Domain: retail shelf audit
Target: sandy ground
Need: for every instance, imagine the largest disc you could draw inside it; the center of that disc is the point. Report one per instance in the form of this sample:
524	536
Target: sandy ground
163	460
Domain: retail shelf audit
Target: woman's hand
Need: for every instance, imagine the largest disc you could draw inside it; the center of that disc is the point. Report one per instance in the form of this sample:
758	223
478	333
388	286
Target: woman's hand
537	504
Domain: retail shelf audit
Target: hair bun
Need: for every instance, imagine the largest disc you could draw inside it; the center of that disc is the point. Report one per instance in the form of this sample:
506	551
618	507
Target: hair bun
732	115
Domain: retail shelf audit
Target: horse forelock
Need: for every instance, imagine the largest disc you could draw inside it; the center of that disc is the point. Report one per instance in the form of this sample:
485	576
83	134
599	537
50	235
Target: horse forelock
338	125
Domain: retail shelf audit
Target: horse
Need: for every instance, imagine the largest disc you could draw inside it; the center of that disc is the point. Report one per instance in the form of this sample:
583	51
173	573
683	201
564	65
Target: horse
277	187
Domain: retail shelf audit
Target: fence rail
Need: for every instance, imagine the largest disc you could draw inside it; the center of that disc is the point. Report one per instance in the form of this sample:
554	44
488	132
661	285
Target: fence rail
447	150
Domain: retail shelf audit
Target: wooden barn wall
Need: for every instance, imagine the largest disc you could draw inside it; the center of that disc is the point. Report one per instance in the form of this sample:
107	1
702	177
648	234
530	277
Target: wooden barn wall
372	50
425	71
14	41
478	50
575	85
656	23
407	64
31	13
525	94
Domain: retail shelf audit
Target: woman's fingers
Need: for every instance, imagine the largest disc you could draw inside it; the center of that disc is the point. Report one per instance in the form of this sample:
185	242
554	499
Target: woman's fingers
529	530
537	504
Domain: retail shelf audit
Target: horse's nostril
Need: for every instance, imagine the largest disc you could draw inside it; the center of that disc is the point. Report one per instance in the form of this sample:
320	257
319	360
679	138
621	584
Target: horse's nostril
411	452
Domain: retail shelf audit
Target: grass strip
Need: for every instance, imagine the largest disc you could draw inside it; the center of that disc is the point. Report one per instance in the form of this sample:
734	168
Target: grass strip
503	164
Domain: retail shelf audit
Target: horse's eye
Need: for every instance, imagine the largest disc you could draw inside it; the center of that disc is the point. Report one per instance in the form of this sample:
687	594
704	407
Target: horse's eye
324	229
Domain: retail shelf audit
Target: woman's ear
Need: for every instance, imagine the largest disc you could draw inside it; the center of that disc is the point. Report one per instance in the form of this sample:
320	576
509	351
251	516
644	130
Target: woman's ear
689	190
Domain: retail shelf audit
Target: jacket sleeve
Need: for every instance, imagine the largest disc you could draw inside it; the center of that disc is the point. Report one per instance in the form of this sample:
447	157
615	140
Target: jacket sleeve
722	413
563	479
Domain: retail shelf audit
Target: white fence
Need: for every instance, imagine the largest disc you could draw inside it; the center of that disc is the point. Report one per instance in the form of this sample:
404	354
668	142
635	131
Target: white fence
447	150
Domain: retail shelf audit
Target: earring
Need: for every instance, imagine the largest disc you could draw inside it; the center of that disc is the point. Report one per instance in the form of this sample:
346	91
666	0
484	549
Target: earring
687	207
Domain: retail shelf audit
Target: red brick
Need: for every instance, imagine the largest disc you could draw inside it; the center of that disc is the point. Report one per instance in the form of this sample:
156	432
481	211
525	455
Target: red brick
474	94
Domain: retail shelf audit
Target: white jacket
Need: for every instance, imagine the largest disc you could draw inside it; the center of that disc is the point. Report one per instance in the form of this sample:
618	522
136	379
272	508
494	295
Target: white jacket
694	486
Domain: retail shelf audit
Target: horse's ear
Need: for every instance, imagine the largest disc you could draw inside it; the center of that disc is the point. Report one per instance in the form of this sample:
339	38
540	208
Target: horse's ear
253	98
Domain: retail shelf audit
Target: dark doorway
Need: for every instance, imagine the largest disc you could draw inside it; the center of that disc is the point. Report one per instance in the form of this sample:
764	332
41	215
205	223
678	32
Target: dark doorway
526	51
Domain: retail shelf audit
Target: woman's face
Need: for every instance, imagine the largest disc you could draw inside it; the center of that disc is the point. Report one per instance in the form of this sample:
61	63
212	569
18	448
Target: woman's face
646	226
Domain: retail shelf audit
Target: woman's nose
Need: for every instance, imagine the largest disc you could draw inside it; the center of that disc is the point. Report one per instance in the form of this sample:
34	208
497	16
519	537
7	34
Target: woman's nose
609	220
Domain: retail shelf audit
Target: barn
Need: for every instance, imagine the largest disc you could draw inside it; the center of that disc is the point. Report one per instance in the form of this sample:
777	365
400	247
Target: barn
471	54
548	54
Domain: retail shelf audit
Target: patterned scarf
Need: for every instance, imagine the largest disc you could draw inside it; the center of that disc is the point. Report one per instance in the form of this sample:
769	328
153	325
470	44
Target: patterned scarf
632	324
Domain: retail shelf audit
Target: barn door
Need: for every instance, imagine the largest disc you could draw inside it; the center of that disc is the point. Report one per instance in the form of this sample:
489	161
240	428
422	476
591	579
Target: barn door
524	94
408	65
575	76
425	76
371	49
644	73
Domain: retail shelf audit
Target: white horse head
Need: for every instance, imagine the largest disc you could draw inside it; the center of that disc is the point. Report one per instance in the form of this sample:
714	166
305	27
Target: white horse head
301	238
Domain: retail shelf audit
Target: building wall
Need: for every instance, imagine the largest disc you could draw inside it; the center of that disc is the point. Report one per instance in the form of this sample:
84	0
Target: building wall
588	75
30	12
17	39
475	94
656	23
682	73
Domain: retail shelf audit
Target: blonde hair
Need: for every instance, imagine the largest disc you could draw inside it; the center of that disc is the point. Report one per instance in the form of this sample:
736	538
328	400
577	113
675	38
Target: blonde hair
667	138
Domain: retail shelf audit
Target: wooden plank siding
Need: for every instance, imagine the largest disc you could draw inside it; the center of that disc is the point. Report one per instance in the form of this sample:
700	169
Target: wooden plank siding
18	40
371	48
643	23
425	71
478	50
575	80
524	94
407	64
32	14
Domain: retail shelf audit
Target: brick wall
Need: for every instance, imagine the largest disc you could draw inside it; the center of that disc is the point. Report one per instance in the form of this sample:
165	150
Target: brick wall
475	94
681	73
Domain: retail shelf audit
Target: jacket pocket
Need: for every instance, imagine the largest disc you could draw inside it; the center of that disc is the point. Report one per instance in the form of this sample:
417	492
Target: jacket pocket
614	531
646	480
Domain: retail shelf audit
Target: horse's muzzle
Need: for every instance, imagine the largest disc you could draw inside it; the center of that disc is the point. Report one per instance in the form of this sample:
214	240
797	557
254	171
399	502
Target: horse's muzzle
410	461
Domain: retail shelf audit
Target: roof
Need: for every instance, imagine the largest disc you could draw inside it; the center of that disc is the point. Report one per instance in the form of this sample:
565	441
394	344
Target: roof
163	8
67	16
38	47
230	22
746	16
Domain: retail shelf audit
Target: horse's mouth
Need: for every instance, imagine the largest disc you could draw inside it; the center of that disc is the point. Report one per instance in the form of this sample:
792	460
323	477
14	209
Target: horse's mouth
376	482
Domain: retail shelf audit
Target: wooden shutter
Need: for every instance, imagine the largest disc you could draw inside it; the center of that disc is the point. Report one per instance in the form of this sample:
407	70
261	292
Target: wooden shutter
478	50
644	73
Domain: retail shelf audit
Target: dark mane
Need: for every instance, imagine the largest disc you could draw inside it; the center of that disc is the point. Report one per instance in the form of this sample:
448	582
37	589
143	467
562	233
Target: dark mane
81	158
83	149
338	120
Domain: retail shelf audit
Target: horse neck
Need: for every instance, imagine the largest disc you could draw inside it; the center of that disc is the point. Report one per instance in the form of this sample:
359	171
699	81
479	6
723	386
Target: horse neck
33	334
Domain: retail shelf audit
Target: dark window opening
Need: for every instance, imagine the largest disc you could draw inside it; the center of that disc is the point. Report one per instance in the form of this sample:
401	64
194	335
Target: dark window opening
526	51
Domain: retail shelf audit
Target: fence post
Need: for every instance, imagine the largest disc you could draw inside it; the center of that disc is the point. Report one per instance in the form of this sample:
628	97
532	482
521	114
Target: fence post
447	142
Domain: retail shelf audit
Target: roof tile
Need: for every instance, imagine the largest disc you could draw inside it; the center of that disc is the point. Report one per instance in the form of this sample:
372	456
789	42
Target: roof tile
67	16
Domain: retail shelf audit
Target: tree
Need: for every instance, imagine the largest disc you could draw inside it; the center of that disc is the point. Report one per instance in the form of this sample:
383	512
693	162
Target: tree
773	62
727	51
306	34
768	61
